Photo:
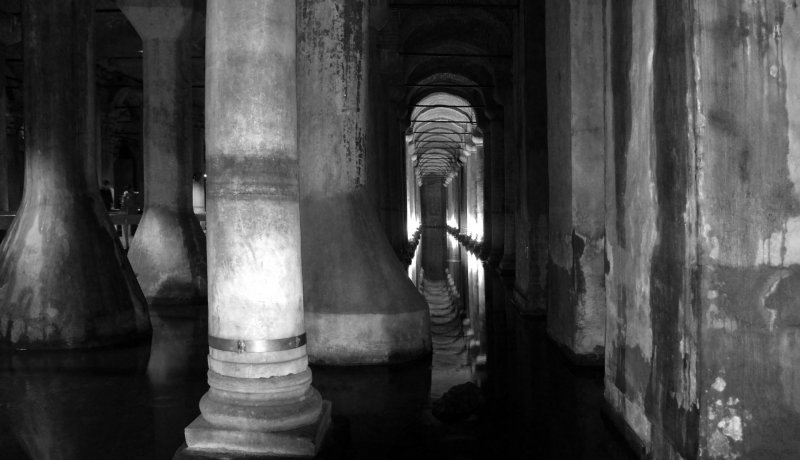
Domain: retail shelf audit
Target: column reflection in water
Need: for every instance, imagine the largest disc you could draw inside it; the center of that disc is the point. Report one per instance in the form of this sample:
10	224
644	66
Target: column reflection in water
69	405
128	402
176	372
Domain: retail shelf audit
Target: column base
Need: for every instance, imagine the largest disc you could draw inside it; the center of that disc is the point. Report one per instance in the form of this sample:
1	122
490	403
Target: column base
204	439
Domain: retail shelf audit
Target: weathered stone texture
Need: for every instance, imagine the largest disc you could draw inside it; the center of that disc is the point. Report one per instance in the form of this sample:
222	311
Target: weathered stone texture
701	201
576	306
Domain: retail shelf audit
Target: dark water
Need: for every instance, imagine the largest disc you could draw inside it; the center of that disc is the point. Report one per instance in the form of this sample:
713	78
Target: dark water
134	403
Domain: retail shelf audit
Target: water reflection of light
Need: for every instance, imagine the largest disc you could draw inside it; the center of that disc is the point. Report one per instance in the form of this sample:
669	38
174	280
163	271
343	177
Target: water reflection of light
413	225
413	268
475	228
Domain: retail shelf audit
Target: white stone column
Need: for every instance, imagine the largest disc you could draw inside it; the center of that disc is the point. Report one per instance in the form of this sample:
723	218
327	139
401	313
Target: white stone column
261	399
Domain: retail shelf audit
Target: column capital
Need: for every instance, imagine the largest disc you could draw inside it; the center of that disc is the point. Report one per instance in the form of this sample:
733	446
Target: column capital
158	19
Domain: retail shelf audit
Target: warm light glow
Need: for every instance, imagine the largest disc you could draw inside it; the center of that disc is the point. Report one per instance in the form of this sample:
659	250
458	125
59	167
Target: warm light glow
452	222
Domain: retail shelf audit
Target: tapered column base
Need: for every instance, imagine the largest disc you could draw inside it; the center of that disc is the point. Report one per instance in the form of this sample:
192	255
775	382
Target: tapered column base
507	265
304	442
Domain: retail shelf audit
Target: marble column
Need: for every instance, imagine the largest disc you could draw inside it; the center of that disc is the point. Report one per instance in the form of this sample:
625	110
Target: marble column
168	252
63	278
261	400
361	308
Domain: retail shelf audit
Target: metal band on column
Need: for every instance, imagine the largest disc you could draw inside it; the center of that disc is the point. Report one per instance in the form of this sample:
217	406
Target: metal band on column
256	346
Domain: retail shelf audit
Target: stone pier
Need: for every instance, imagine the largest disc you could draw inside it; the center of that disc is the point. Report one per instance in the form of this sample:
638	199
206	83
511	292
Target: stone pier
261	400
64	282
168	252
576	142
361	308
494	233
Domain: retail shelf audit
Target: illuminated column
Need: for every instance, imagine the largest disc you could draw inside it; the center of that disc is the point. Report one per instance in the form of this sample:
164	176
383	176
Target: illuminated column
361	308
168	252
64	282
480	195
261	400
412	220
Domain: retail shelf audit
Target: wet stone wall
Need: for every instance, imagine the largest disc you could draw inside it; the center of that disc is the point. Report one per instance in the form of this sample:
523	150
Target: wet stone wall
703	247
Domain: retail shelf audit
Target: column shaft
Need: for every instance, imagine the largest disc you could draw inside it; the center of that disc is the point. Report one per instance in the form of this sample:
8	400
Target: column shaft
5	156
576	143
510	171
496	174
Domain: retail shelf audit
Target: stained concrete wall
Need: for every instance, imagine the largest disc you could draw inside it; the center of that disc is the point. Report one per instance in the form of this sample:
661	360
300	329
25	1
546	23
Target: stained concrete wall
702	199
576	143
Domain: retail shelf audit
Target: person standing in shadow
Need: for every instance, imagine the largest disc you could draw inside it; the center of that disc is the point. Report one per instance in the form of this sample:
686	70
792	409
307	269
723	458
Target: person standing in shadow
107	195
128	205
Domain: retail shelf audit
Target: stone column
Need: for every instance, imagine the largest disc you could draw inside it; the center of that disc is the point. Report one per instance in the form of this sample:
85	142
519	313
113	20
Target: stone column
168	252
455	197
5	154
63	278
261	400
496	180
361	308
399	237
433	199
576	142
412	188
479	204
10	33
507	263
530	280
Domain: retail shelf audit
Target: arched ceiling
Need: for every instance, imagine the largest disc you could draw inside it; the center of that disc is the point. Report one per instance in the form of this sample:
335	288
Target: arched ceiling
452	55
441	136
